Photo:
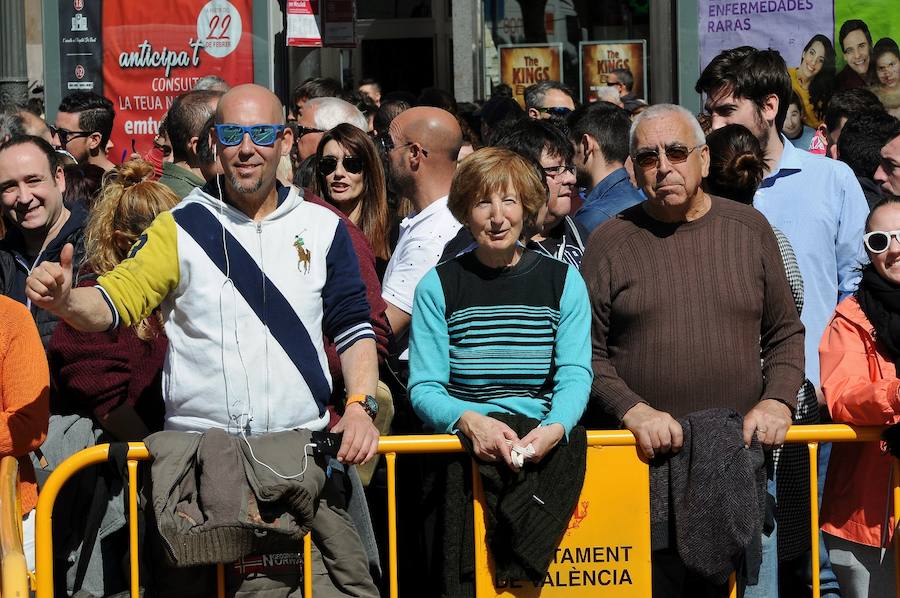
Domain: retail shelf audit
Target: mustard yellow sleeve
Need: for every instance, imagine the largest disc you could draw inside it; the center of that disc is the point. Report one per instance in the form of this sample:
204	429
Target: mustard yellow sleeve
150	272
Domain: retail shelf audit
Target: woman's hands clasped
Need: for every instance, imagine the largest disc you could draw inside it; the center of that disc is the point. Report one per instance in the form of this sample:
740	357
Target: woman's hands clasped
488	437
543	439
492	440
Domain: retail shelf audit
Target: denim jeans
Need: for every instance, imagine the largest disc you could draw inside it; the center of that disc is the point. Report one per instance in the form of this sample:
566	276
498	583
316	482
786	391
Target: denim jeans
767	583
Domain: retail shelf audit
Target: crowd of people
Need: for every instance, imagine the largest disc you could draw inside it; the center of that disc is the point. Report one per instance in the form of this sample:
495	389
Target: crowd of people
271	288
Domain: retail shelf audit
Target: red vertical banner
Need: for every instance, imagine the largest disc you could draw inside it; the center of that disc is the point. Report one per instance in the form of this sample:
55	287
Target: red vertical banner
155	51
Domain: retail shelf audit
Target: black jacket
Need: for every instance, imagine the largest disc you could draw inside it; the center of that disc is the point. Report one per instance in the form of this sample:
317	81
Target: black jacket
527	512
522	533
15	265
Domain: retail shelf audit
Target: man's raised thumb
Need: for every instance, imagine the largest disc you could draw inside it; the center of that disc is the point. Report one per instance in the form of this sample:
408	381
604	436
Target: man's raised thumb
65	258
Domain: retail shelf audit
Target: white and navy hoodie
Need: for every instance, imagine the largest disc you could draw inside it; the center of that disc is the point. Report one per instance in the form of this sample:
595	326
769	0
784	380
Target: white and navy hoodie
244	305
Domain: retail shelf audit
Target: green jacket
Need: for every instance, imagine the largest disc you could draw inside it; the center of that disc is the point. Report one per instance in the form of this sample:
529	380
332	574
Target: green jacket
180	180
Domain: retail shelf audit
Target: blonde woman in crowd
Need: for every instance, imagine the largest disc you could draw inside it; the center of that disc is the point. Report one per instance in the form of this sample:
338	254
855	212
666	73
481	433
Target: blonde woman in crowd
116	374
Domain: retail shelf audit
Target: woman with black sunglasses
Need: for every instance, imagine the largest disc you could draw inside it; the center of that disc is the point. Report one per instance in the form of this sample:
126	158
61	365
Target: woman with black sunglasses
350	176
860	356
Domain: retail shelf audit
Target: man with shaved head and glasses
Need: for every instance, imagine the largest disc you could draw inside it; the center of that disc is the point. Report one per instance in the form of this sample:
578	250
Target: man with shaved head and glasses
687	292
421	146
248	277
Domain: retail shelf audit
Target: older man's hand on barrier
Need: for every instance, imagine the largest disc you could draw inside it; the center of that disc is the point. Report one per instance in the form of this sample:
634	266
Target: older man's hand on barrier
489	437
360	442
656	432
770	419
543	439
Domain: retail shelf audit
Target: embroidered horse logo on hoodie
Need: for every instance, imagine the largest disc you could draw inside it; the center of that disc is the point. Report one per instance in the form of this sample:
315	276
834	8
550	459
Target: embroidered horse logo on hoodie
303	255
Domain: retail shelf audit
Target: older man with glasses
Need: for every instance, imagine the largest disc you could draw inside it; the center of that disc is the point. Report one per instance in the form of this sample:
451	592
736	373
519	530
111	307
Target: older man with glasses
248	277
687	292
321	115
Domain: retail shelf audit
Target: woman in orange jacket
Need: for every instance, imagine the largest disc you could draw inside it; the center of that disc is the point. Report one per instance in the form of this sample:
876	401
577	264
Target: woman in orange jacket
859	355
24	389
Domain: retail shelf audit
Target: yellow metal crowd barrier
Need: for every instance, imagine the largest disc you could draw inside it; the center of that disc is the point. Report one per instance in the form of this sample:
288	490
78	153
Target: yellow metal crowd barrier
13	567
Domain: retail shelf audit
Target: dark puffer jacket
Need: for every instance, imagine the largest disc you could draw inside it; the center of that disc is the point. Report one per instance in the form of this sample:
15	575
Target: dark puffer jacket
15	265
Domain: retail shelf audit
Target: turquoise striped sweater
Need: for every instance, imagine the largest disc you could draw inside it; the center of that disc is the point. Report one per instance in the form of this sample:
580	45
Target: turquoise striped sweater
515	340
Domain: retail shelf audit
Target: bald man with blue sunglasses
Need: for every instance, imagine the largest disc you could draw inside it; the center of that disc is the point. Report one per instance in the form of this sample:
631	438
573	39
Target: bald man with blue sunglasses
248	277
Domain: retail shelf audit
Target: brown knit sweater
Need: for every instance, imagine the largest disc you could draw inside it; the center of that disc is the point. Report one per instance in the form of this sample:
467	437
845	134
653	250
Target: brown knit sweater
682	312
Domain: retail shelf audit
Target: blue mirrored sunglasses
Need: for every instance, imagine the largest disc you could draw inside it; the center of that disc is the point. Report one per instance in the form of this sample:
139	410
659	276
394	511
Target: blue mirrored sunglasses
231	134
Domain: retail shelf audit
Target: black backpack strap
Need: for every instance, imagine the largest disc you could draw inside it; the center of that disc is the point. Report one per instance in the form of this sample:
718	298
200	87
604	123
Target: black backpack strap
118	459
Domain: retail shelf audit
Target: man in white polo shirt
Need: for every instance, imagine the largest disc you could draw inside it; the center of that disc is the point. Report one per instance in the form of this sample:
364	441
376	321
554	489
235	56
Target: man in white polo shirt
421	146
420	149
